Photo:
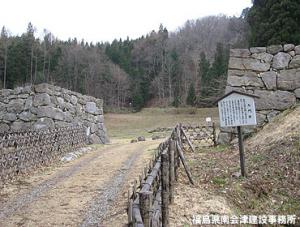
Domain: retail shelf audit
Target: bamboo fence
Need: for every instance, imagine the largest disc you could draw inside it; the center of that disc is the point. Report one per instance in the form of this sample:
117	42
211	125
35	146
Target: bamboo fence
22	152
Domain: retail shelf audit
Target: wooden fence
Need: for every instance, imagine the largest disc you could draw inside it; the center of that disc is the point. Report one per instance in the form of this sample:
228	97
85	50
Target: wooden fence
22	152
149	201
201	135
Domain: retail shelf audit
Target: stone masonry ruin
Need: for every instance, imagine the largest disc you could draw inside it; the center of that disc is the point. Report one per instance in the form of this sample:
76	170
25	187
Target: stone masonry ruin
45	106
272	73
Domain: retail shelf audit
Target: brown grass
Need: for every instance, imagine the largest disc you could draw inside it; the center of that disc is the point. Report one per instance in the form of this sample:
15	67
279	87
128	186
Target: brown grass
272	163
138	124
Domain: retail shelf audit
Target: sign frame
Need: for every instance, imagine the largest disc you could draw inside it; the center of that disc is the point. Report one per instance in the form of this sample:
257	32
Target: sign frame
236	109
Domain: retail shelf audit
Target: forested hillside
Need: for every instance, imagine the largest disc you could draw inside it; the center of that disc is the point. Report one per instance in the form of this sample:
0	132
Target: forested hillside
78	66
274	22
186	66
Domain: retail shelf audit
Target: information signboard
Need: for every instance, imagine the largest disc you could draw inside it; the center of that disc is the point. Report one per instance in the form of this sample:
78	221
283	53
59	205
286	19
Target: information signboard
237	109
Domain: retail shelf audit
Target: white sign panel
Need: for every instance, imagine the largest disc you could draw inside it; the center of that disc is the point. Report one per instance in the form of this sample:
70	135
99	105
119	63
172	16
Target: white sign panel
208	119
237	110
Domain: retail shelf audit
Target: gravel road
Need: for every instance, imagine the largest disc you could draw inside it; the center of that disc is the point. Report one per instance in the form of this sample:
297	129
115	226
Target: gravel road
82	192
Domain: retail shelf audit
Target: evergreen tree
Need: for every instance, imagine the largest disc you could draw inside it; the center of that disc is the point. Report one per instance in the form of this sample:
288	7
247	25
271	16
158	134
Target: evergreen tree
204	66
18	65
29	43
210	76
191	98
220	64
176	101
176	78
213	79
274	22
138	101
4	43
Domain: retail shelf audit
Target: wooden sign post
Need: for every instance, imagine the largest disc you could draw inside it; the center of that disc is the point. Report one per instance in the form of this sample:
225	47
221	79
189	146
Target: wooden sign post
241	149
237	109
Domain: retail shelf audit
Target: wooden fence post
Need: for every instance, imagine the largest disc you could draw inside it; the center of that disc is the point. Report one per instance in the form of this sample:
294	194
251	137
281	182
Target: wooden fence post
146	207
187	139
172	169
184	164
130	219
176	161
179	142
136	214
165	188
214	134
156	207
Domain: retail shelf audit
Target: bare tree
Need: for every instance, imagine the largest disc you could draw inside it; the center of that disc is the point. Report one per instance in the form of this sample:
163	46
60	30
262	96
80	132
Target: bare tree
5	41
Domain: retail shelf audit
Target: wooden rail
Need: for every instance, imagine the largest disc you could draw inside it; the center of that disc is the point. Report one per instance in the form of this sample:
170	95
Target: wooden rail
148	205
200	135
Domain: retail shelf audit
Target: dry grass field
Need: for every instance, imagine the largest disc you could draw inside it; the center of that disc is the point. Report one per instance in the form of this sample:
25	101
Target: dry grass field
138	124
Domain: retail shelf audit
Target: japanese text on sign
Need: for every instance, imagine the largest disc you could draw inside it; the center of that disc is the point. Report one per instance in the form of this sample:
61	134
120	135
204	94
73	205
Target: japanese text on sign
237	110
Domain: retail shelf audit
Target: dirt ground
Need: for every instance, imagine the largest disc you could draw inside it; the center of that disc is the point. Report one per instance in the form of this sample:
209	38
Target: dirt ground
195	200
78	193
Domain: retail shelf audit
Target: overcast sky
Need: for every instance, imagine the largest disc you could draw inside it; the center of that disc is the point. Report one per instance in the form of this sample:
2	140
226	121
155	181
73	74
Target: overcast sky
104	20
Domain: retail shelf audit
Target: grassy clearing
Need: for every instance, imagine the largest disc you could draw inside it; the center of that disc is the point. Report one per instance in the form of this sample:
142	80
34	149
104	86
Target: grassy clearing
131	125
269	187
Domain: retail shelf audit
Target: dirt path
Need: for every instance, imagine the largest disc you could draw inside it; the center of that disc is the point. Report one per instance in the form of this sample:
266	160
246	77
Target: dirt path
84	192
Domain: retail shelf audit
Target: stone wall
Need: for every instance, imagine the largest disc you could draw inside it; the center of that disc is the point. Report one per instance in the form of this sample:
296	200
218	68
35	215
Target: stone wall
272	73
46	106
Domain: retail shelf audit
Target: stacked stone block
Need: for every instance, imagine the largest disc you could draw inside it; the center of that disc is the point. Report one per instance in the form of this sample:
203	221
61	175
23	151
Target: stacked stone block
272	73
45	106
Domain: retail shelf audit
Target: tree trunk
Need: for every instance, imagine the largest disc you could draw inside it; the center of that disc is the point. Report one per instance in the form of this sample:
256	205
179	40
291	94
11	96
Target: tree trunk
44	66
31	66
35	72
5	67
48	69
170	88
